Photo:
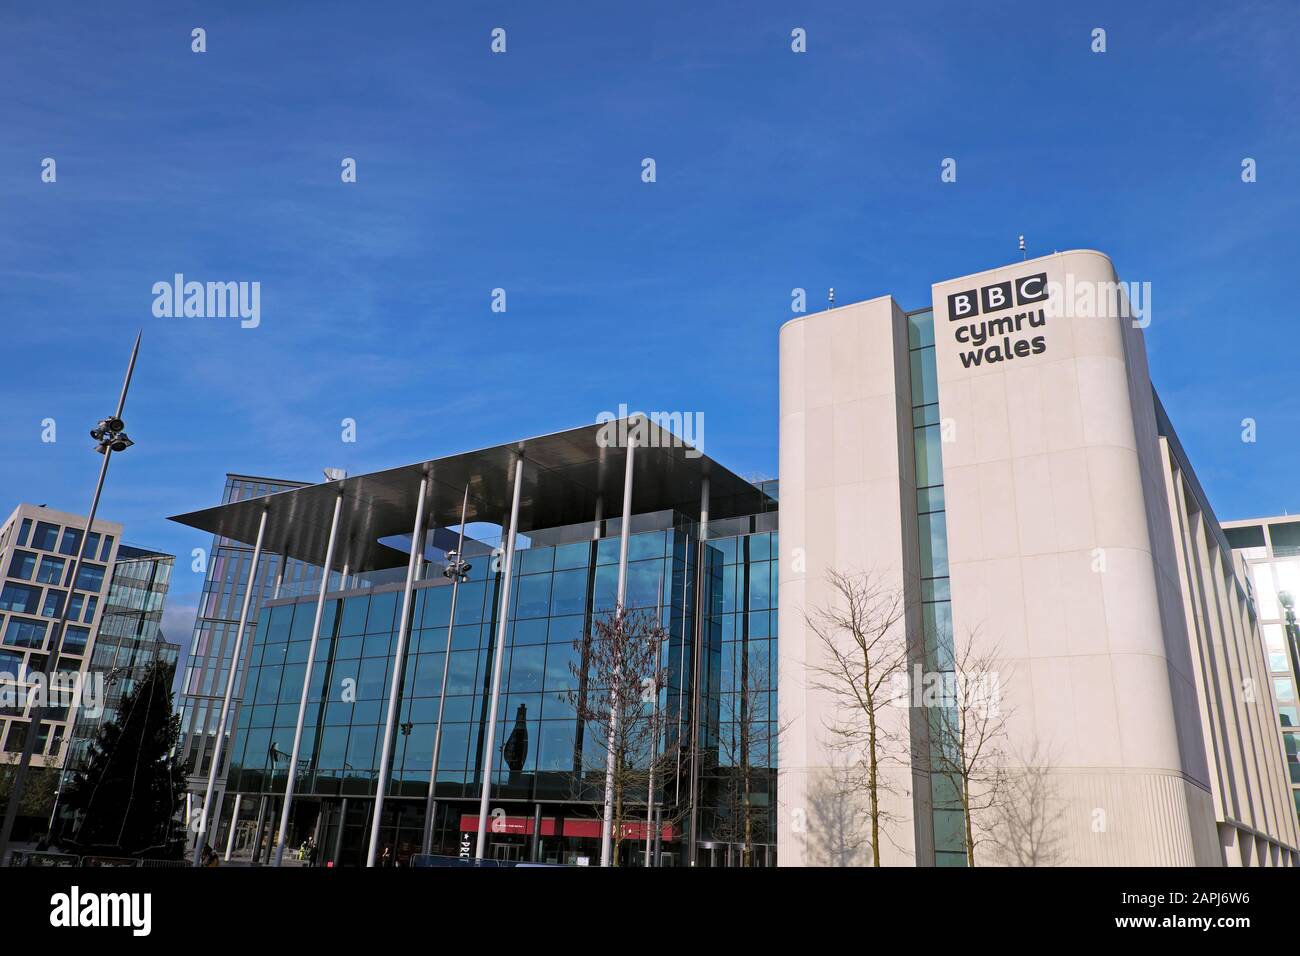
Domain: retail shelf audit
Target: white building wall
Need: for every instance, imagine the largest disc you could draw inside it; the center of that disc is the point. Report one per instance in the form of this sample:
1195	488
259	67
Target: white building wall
1056	560
846	486
1123	635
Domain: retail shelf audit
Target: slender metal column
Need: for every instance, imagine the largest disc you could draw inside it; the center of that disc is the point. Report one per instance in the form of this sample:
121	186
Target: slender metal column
264	857
37	713
607	823
697	671
489	742
234	819
623	531
316	832
256	853
681	686
704	508
395	685
654	726
659	833
220	745
306	683
214	821
338	838
431	801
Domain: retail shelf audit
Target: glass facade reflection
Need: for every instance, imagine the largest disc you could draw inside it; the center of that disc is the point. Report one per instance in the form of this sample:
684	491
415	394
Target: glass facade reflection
548	770
213	642
936	603
1271	550
130	637
738	736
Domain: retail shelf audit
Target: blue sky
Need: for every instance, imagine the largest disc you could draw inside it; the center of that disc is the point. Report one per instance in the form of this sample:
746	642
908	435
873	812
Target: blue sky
522	171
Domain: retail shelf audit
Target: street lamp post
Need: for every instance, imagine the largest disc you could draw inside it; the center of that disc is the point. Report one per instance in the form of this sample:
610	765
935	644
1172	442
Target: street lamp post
110	436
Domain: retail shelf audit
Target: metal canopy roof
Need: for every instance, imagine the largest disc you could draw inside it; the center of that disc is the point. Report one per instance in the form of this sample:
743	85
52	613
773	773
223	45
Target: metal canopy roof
564	474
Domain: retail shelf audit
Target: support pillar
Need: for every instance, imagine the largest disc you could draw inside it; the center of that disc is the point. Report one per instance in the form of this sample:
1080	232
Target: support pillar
395	685
291	777
458	572
338	837
220	744
234	820
489	743
697	673
607	823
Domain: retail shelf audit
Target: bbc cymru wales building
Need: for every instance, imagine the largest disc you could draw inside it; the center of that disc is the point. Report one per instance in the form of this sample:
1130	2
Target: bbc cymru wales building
998	459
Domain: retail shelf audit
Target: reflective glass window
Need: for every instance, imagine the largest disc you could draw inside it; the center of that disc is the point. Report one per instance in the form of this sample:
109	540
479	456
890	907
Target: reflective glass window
21	632
21	598
1265	592
534	596
75	639
929	456
46	537
354	615
22	565
90	577
50	570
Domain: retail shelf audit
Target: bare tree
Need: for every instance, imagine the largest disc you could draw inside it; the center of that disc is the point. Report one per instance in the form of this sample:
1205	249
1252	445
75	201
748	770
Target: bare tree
747	739
1030	816
622	679
862	633
967	724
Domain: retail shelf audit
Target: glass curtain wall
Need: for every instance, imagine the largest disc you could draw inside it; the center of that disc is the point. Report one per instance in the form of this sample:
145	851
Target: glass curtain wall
936	598
1274	565
212	646
129	639
738	738
543	754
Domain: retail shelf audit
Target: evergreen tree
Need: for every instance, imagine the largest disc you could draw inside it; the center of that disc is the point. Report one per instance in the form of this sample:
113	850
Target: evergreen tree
128	796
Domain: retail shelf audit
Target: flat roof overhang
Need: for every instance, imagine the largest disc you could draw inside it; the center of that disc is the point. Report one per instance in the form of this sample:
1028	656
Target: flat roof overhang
565	474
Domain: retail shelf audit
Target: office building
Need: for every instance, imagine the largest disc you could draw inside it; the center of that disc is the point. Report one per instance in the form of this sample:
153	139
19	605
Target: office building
129	640
700	546
38	550
212	644
1000	459
997	460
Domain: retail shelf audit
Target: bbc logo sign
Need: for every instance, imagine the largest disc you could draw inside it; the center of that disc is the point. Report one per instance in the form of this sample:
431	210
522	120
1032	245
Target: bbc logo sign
994	298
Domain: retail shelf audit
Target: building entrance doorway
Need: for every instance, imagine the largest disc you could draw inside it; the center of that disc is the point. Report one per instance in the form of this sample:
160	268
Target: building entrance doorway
506	852
716	854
